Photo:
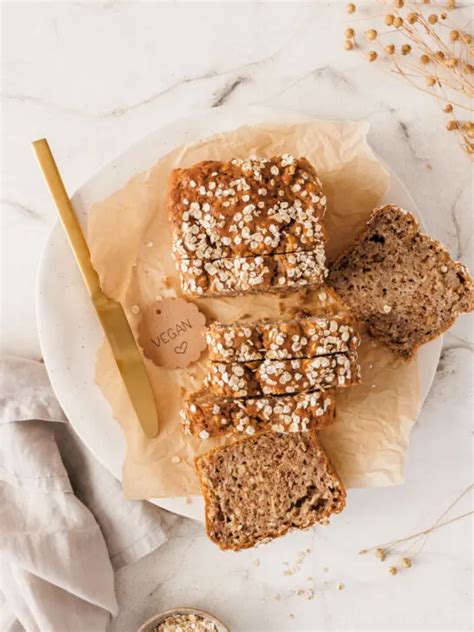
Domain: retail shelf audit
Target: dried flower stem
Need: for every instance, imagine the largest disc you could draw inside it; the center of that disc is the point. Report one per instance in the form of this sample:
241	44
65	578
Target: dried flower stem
438	524
425	537
426	48
430	51
399	71
391	544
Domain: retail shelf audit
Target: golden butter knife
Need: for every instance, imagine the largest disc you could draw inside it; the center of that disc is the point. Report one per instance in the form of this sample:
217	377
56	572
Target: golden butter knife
110	312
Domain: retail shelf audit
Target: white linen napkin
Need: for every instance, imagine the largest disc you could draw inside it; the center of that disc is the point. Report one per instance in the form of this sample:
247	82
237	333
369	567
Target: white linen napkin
58	553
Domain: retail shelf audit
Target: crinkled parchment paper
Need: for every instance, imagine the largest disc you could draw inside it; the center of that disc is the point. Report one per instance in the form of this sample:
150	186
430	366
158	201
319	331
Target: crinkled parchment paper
130	241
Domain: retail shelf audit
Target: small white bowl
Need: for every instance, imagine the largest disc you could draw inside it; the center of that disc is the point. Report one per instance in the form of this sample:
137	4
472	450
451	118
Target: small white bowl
149	625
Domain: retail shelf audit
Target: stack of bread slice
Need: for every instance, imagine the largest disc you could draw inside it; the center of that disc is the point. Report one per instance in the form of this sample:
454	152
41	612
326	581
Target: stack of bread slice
273	375
248	226
272	382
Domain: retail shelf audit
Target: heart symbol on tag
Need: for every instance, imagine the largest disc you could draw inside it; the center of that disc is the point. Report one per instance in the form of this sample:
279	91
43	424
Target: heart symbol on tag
182	348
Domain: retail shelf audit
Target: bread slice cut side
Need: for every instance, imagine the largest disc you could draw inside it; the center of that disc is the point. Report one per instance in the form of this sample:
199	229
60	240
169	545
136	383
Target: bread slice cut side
262	487
400	283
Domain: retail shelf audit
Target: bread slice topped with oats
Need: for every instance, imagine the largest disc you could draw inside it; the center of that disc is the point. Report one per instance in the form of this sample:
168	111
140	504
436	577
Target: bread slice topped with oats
262	487
275	374
244	208
205	416
282	377
305	337
400	283
252	275
247	226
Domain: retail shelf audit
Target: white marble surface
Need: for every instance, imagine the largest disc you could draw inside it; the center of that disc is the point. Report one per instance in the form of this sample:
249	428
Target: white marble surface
94	77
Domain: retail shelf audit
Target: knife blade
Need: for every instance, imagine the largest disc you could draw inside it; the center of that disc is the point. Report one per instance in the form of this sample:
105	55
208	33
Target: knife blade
110	312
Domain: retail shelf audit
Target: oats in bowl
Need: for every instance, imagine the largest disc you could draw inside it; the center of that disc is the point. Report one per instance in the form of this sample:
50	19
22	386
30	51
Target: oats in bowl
184	620
186	623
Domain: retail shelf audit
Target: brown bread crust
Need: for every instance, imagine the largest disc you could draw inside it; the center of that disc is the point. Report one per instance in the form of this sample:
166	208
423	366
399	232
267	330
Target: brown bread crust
243	208
282	377
251	275
307	337
206	416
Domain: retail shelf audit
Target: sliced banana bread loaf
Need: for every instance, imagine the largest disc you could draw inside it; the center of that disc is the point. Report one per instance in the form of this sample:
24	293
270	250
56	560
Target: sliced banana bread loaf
401	283
261	487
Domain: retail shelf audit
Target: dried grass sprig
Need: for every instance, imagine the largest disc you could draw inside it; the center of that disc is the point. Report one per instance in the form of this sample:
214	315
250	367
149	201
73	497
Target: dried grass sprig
427	49
387	546
418	540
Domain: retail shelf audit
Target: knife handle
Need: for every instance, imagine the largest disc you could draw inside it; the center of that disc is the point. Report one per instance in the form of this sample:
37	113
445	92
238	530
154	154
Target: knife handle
68	218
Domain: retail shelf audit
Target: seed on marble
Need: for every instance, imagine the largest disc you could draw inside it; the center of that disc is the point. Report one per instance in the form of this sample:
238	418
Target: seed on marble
380	554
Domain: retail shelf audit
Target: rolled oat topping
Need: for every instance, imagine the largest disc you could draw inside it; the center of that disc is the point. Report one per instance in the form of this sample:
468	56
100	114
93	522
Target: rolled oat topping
246	207
279	340
241	275
226	416
279	377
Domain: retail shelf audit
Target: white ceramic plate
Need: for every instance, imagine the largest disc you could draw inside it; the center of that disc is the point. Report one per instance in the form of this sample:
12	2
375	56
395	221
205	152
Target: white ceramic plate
69	329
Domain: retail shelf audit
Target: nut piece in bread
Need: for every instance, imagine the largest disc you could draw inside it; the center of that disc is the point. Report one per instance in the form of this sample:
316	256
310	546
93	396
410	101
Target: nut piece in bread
262	487
401	283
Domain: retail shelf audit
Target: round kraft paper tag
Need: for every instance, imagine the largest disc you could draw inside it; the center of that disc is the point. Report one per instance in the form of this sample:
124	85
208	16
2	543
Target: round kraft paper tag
171	333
